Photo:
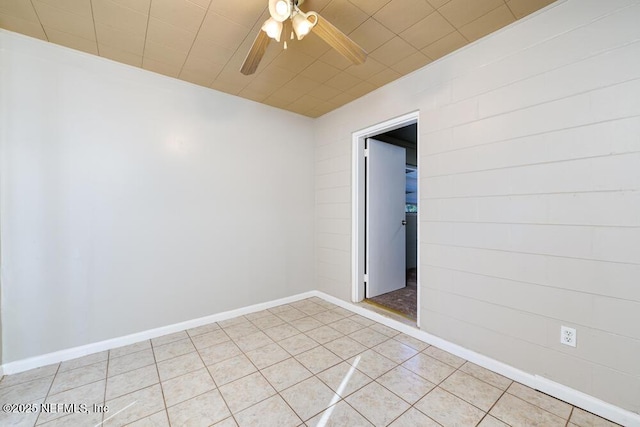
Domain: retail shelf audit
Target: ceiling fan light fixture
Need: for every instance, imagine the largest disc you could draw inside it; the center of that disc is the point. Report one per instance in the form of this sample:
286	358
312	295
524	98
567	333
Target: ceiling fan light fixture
280	10
303	23
273	28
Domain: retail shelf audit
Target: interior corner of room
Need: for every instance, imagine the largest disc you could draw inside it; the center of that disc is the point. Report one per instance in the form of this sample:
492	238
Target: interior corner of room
131	202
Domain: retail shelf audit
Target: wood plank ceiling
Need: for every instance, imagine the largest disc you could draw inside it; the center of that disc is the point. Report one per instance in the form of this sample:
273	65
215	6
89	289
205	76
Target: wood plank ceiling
205	41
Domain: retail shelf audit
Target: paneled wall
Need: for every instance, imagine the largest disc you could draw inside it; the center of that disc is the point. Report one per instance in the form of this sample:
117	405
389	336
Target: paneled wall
132	201
530	194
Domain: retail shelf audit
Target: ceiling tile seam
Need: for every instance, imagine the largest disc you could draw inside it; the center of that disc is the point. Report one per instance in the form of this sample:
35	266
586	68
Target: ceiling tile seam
510	10
457	30
95	32
373	13
146	32
478	18
204	16
39	20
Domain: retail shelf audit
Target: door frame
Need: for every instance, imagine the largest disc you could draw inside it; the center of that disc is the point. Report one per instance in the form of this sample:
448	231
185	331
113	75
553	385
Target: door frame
358	180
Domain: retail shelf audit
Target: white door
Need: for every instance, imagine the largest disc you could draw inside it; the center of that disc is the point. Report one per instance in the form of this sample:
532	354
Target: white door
385	218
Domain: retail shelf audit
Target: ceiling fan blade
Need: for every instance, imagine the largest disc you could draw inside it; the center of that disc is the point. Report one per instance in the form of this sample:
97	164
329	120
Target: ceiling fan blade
259	47
339	41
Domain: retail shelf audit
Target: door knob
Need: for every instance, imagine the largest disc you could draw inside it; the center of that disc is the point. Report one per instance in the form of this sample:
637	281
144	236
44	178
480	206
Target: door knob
404	222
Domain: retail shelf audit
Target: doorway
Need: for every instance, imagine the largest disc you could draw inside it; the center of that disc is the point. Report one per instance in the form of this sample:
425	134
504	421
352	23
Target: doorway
385	218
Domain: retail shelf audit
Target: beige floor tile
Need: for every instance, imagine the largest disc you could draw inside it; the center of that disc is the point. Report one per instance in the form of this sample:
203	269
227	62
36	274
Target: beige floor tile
78	377
346	326
280	332
428	368
409	386
309	397
179	366
185	387
311	308
174	349
344	379
291	314
345	347
362	320
239	330
318	359
384	330
444	356
395	350
339	415
378	404
253	341
129	362
372	363
284	374
515	411
368	337
229	422
233	321
231	369
472	390
247	391
131	381
324	334
169	338
490	421
83	361
323	303
27	376
75	419
134	406
131	348
413	418
544	401
257	315
159	419
268	321
89	394
412	342
306	324
219	352
297	344
199	330
267	355
27	391
202	410
270	412
342	311
328	316
583	418
448	409
209	339
280	308
486	375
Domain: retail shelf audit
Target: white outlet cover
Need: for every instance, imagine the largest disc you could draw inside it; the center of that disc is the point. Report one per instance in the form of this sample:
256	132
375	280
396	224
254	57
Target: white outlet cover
568	336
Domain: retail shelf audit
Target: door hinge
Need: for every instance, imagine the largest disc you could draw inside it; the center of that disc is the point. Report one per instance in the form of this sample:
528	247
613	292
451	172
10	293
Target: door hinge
366	278
366	152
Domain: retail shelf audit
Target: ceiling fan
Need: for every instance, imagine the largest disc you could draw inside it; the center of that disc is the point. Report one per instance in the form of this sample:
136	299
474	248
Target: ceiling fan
302	24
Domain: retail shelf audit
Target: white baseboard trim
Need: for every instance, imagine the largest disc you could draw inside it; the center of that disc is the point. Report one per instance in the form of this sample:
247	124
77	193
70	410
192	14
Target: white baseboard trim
567	394
84	350
559	391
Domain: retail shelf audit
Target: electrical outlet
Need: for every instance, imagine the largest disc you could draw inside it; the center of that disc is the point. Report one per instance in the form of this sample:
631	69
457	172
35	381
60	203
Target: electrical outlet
568	336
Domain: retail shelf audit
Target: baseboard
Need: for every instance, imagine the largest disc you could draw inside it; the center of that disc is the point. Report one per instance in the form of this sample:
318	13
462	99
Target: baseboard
84	350
552	388
567	394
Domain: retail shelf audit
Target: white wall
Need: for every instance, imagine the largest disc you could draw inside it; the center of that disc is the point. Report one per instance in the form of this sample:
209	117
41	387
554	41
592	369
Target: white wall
132	201
530	183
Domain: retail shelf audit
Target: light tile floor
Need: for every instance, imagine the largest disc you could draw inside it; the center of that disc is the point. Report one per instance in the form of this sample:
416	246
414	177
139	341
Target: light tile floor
309	363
